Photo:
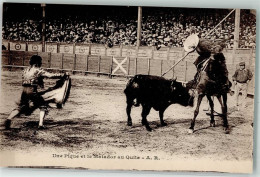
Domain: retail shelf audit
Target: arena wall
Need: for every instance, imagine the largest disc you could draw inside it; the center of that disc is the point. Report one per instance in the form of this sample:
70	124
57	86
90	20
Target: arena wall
119	60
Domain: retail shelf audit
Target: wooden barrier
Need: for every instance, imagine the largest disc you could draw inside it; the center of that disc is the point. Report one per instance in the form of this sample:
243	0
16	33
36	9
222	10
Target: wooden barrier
5	43
82	49
81	62
5	57
161	54
114	51
98	50
34	47
128	52
127	66
46	57
105	65
26	59
164	53
51	47
66	48
17	46
132	62
55	61
155	67
93	64
119	66
166	64
145	52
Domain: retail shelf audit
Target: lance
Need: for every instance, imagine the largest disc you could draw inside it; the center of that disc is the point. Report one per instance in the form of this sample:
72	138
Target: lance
186	54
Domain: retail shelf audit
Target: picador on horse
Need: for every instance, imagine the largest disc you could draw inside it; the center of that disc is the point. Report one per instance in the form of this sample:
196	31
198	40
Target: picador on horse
211	78
208	50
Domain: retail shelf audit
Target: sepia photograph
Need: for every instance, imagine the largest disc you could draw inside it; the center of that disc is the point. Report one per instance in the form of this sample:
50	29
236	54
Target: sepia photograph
127	87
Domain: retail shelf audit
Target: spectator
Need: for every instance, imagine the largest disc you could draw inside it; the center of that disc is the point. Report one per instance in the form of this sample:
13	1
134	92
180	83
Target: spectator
241	78
173	24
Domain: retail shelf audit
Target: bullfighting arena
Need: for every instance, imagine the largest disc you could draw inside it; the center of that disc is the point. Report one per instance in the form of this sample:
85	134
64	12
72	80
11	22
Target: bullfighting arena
93	122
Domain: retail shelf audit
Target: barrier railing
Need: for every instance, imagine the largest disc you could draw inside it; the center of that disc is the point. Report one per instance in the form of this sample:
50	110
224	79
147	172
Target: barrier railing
120	65
165	53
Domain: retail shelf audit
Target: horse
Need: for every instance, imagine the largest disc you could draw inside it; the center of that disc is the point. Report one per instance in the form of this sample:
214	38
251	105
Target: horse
212	81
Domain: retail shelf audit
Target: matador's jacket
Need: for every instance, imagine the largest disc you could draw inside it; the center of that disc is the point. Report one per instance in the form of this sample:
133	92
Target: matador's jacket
32	78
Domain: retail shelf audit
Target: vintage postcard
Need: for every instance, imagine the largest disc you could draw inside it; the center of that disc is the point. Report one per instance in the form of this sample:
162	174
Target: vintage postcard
127	88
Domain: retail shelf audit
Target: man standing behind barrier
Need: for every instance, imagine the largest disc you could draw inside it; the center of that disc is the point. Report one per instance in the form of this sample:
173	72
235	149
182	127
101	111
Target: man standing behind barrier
241	79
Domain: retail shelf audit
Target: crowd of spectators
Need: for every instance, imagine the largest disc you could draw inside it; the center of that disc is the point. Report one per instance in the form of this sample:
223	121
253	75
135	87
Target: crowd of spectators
169	28
27	30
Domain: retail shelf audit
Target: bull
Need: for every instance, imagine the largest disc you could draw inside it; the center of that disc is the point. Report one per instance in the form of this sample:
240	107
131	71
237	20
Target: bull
154	92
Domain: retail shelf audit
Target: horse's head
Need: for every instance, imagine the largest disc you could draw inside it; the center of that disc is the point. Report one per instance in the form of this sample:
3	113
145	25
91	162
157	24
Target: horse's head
213	77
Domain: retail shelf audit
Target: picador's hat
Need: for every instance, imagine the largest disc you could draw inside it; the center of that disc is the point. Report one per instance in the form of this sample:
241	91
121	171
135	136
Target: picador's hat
191	43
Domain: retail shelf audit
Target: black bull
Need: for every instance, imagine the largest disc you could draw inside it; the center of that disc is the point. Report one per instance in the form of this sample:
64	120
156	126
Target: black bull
154	92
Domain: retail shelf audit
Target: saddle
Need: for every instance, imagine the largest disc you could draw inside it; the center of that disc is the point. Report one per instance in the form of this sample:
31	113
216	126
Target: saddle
203	83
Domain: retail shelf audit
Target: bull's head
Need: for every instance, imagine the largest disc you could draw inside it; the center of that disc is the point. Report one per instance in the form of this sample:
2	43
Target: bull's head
181	94
173	81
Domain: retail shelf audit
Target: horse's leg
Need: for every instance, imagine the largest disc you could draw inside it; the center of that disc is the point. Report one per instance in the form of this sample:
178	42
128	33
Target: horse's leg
224	110
211	104
196	112
145	112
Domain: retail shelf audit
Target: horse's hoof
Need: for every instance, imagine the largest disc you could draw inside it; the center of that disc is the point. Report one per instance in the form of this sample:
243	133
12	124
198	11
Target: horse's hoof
129	123
212	124
227	130
190	131
148	129
41	127
164	124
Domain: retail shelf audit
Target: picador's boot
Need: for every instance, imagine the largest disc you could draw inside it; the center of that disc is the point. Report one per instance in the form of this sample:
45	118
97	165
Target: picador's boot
192	84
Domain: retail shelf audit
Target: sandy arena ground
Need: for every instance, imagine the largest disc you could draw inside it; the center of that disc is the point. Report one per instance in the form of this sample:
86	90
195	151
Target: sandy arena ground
94	121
